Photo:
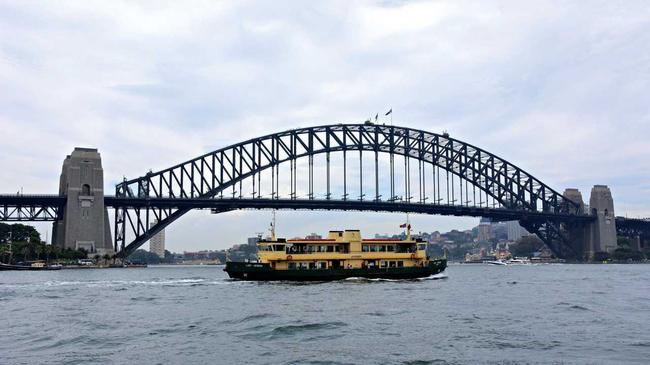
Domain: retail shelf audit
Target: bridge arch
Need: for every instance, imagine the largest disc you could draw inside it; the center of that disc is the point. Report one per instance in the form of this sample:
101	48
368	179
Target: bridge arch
210	174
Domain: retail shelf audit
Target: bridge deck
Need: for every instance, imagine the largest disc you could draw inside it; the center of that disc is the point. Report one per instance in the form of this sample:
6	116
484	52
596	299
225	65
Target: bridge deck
501	214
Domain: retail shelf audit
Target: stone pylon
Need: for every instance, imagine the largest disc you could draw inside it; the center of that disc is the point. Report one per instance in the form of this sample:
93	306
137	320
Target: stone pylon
579	235
603	230
84	223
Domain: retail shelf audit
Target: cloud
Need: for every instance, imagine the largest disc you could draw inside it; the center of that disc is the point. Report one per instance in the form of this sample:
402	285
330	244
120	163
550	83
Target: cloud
557	88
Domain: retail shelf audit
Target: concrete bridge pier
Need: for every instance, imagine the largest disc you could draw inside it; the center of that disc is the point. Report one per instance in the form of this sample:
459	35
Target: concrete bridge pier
603	229
579	235
600	235
84	222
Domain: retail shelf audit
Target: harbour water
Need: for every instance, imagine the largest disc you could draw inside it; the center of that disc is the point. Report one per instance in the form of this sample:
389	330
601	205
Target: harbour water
540	314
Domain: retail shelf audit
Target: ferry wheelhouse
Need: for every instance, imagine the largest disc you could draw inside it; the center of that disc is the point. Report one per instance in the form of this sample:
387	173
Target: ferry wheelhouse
341	255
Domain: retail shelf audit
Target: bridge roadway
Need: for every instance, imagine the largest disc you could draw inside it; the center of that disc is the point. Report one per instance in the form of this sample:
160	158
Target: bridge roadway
47	207
497	214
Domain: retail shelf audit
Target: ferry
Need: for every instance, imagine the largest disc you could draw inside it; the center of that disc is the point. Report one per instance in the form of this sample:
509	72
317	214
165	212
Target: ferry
342	255
30	265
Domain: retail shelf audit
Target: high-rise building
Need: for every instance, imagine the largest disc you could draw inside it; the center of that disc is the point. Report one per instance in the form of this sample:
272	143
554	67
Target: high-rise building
484	230
252	241
515	231
157	242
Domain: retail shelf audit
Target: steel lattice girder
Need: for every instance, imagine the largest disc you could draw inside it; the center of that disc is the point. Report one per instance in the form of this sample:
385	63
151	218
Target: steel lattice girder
210	174
18	208
632	227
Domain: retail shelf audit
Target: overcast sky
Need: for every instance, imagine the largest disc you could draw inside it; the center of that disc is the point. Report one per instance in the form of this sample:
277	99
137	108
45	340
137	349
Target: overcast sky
560	89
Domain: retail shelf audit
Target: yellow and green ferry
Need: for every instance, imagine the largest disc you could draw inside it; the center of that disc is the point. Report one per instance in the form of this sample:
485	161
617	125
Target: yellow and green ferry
343	254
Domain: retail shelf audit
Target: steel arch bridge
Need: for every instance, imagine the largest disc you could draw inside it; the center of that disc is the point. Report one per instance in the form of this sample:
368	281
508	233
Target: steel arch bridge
453	177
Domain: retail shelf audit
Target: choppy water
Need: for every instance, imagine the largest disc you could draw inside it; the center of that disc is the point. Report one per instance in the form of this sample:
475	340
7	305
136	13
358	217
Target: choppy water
582	314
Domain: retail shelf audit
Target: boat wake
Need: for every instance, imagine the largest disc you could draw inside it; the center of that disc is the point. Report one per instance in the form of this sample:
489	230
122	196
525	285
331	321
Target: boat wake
375	280
435	277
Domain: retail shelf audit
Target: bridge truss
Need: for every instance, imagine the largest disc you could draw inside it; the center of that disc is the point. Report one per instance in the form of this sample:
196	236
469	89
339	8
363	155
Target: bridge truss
377	167
18	208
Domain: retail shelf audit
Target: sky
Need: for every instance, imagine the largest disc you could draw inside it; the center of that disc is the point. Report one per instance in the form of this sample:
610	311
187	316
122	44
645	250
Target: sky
559	88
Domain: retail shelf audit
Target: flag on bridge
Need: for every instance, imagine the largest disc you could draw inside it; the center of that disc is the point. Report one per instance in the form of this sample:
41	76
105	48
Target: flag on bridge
376	116
389	112
402	225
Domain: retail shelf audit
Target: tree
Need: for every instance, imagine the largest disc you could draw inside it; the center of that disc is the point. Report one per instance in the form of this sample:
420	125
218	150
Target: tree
526	246
601	256
623	242
143	256
626	254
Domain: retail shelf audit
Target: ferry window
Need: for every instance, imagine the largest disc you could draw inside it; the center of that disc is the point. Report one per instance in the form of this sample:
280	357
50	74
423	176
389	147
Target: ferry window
400	263
330	248
364	248
384	264
312	265
292	266
390	248
392	264
382	248
302	265
323	265
278	248
340	234
375	248
371	263
323	248
422	247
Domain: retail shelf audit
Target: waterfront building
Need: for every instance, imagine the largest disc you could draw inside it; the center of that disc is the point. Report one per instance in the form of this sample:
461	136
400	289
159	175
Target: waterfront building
157	242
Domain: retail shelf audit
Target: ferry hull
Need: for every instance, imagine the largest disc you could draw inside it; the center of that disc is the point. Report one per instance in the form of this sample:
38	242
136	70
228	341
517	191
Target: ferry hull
264	272
6	267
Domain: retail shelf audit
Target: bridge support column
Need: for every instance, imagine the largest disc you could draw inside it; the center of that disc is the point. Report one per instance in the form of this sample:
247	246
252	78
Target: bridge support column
84	222
579	235
603	229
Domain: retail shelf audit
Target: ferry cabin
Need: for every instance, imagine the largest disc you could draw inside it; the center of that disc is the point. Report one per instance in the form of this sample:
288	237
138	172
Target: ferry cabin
342	249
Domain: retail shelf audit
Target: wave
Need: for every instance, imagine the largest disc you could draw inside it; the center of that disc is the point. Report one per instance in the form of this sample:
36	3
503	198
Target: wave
194	281
573	306
435	277
307	327
362	279
252	317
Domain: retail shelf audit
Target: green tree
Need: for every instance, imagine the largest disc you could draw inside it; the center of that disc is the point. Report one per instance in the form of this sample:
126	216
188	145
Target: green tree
626	254
144	256
526	246
601	256
623	242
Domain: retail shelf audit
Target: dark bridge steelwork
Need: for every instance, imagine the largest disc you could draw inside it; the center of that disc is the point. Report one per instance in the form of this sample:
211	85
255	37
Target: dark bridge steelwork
17	208
632	227
226	204
452	176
